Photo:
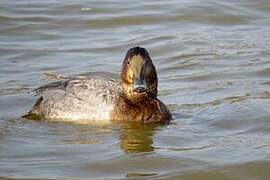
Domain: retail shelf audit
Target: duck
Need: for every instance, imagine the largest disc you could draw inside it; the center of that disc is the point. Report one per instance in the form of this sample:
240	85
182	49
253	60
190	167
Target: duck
95	98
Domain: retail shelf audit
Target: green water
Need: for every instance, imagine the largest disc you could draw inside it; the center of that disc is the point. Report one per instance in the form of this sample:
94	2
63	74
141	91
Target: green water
213	62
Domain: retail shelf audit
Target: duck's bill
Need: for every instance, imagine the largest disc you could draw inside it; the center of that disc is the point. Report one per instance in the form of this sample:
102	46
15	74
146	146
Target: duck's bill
137	67
139	86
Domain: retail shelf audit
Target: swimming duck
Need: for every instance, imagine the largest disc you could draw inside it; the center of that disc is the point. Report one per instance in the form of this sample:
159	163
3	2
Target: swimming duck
134	98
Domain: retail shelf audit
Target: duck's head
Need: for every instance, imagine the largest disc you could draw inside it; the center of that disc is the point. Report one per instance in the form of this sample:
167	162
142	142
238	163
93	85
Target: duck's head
138	75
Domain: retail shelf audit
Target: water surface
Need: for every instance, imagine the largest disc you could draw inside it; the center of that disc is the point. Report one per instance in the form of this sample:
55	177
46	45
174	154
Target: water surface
213	64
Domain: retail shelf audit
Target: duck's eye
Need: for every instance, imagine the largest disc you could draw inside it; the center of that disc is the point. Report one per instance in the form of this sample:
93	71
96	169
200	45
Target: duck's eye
128	62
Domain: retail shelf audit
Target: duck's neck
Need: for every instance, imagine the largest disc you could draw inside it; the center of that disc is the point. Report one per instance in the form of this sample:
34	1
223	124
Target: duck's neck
147	110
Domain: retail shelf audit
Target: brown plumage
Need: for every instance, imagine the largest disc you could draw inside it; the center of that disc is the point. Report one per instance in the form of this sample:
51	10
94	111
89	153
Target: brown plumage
149	110
139	106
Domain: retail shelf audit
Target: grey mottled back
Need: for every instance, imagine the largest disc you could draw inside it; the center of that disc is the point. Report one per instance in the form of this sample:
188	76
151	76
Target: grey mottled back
79	97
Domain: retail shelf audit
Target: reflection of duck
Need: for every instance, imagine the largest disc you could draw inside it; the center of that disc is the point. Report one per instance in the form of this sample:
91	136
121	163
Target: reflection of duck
136	137
95	98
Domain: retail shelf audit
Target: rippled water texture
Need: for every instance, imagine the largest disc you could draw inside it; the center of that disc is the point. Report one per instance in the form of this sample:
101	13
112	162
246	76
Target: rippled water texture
213	61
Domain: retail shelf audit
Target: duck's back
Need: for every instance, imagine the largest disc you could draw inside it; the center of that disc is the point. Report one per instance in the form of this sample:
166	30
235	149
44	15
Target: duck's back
77	98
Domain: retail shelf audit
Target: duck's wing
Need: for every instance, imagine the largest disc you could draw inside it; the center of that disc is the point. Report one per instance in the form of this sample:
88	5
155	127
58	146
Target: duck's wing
53	76
53	85
82	86
85	87
76	98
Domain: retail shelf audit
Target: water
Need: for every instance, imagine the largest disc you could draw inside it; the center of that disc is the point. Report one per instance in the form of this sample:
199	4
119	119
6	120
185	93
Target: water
213	64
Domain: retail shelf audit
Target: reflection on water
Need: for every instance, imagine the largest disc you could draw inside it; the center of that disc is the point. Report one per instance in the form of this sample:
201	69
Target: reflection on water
212	59
137	137
133	137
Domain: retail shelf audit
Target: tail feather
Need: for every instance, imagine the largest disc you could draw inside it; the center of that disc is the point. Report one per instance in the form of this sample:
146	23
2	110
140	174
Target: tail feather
32	114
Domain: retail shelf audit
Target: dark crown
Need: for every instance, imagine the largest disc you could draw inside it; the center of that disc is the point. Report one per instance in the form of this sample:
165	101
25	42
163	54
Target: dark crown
137	51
